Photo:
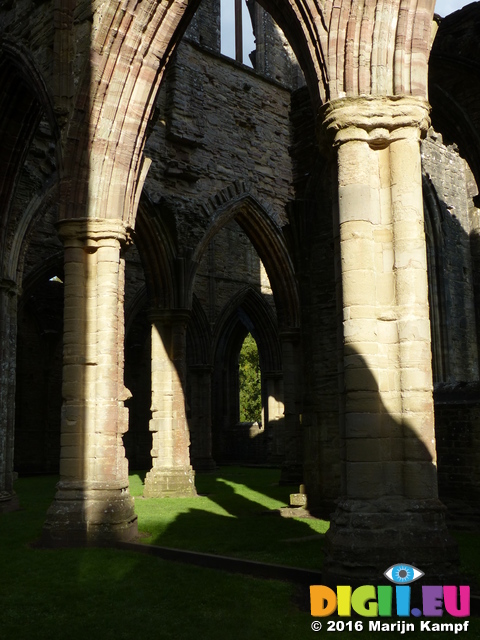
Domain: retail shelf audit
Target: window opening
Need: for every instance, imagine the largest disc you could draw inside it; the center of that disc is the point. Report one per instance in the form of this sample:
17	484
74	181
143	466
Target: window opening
250	386
237	38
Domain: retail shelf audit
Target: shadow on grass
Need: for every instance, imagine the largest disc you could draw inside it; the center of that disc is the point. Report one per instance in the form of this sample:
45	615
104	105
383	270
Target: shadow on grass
235	514
109	594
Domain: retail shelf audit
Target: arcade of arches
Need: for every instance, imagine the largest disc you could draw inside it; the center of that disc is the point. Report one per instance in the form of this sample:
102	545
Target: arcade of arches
160	201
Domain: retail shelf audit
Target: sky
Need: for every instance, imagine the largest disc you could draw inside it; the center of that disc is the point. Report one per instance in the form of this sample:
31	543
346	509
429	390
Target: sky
228	30
442	7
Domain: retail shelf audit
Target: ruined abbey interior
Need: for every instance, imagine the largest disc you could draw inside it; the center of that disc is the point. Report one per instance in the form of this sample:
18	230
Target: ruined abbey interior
160	201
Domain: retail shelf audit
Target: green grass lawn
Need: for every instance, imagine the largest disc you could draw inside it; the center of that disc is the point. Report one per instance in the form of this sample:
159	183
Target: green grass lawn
235	514
107	594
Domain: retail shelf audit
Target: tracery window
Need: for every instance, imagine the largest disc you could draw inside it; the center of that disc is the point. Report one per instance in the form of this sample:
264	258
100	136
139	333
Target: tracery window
236	36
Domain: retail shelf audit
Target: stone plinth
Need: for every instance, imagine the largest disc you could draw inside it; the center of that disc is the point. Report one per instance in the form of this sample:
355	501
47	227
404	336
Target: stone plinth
8	501
94	513
367	537
166	482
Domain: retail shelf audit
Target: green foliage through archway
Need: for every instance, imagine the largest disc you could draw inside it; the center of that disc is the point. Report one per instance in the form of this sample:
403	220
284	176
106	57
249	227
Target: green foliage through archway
250	381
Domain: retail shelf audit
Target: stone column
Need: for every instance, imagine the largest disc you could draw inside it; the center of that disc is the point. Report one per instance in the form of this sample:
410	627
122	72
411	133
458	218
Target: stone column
201	417
171	473
292	468
8	341
92	504
275	416
390	510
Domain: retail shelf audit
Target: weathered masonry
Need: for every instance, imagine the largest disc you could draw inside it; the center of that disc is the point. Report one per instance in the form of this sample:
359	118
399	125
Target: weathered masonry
160	201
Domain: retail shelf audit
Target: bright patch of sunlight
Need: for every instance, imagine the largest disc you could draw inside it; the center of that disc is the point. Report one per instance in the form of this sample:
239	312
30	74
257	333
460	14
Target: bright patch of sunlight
254	496
135	484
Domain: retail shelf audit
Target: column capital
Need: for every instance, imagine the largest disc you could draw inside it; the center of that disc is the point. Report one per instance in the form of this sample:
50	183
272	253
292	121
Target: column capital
92	232
376	120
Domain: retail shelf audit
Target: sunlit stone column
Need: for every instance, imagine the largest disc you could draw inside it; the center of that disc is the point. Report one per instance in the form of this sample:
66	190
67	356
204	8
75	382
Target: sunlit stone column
201	417
389	511
171	473
275	423
92	504
8	339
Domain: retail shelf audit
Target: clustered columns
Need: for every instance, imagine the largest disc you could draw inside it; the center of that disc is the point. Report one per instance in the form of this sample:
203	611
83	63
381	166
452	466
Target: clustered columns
92	504
389	511
8	339
171	473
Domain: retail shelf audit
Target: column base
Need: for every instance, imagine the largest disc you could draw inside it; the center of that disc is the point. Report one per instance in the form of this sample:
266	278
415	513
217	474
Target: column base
174	483
93	514
8	502
368	537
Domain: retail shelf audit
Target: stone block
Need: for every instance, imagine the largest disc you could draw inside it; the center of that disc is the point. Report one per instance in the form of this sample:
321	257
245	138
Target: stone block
298	500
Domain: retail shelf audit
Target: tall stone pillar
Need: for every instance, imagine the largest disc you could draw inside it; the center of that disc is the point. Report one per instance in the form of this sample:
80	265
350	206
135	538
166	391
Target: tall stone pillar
8	340
171	473
389	511
92	504
201	417
275	415
292	468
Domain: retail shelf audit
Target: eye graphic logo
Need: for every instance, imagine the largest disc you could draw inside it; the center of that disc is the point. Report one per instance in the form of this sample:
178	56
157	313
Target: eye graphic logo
403	574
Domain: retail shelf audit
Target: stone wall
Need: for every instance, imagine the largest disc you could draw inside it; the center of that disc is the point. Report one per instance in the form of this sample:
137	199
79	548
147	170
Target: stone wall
313	246
218	122
457	417
449	226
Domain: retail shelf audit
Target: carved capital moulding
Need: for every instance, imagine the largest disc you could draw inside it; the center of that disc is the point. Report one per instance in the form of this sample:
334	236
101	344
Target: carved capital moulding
377	121
92	232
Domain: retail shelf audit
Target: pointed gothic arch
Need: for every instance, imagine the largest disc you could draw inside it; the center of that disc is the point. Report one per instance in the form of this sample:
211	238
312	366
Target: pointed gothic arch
238	203
247	312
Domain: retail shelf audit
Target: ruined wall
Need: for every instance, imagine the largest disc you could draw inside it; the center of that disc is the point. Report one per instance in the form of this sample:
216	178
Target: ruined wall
217	123
448	236
457	429
312	241
229	265
451	223
220	128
